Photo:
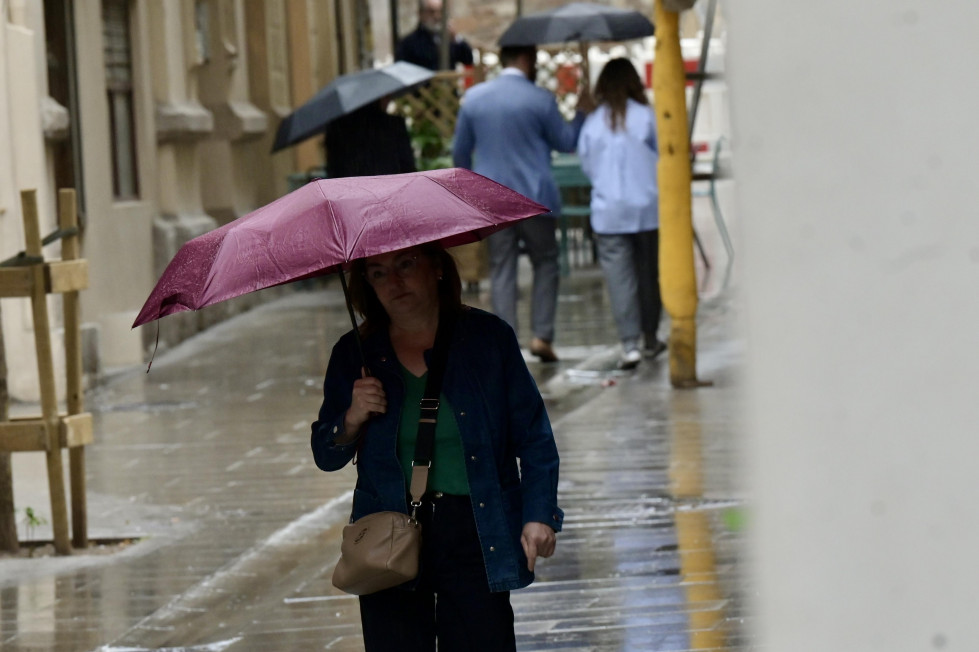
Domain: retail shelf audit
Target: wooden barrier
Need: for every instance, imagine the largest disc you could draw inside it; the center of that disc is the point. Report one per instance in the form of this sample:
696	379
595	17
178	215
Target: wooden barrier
50	432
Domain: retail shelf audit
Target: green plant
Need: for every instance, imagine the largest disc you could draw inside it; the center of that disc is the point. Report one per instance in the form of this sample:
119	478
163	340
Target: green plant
31	521
734	519
432	150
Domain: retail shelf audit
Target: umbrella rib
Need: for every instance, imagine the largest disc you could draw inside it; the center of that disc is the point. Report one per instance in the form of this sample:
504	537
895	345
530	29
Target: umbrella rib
460	198
336	224
405	233
347	247
333	221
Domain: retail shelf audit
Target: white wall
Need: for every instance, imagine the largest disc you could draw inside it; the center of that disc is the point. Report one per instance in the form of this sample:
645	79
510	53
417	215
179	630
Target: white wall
855	147
24	168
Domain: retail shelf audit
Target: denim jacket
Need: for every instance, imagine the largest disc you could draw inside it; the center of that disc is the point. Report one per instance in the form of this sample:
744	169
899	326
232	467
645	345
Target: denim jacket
501	419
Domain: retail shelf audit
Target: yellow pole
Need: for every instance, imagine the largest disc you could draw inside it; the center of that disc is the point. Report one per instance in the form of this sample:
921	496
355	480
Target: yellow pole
678	281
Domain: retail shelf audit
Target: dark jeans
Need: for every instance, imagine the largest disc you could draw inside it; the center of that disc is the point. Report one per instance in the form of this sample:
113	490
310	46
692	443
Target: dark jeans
452	602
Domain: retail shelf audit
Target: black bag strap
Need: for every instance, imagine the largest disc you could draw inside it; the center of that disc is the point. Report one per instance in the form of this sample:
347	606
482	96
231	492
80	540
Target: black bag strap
425	442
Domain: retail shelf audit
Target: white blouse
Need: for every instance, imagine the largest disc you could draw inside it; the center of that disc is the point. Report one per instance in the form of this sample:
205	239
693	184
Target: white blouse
622	167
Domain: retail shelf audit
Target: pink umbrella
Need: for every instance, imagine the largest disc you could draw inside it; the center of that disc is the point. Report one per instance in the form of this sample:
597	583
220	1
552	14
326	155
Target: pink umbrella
328	223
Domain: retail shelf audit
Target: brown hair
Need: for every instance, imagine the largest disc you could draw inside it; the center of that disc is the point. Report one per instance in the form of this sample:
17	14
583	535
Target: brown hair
618	83
376	318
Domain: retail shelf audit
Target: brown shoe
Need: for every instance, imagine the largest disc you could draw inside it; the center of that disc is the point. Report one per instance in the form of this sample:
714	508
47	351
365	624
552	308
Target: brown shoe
542	349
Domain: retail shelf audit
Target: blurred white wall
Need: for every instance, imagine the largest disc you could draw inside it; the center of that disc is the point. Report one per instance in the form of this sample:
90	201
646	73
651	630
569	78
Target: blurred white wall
855	155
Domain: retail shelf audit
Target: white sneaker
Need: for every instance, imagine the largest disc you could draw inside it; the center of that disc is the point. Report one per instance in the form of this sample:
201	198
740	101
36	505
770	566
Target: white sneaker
630	359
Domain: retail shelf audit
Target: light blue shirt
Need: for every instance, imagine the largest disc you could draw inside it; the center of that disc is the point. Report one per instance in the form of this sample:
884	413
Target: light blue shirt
622	167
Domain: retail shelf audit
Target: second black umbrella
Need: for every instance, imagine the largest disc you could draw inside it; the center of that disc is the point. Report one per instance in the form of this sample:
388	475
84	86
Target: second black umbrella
347	93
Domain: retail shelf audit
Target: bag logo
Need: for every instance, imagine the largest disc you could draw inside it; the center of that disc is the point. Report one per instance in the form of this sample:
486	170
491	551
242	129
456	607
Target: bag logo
361	535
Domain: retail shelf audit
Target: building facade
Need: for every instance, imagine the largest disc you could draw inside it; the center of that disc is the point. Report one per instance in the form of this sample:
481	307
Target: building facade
161	114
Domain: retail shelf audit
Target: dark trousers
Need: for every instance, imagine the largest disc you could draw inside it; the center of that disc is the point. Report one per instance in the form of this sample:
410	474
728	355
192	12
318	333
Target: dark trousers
647	267
538	235
452	602
631	265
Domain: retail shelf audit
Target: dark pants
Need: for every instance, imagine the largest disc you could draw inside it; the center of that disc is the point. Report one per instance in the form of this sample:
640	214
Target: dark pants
452	602
647	267
538	235
631	265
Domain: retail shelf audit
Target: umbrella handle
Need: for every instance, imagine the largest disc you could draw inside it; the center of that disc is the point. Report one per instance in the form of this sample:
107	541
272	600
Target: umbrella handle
360	349
353	321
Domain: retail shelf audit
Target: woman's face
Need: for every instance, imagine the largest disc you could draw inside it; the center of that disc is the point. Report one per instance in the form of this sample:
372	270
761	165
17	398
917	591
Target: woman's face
406	282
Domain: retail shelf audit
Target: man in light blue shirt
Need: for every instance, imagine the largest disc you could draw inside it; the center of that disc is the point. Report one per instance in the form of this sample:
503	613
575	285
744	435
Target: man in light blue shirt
506	130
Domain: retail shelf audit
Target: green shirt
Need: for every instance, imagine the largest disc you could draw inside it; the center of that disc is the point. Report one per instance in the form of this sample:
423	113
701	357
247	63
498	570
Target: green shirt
448	473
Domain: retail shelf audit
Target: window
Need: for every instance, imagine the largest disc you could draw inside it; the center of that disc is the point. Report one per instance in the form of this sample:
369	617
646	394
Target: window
202	26
119	86
62	86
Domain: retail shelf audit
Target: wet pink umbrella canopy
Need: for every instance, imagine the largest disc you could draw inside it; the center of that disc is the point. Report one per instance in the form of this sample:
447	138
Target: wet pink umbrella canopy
328	223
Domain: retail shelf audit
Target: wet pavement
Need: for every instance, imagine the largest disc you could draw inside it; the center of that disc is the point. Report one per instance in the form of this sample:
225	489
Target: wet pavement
205	463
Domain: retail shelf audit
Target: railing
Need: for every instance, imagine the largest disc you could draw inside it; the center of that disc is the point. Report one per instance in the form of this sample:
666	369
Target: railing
435	105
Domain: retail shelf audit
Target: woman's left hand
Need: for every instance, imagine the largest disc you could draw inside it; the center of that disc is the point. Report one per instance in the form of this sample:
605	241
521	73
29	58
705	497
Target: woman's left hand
538	540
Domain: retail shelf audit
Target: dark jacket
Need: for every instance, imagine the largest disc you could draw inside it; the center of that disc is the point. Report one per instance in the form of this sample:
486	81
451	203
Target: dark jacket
501	418
421	49
367	142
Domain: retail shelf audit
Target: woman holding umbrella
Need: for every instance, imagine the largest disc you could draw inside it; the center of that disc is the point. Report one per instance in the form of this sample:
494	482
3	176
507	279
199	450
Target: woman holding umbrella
485	521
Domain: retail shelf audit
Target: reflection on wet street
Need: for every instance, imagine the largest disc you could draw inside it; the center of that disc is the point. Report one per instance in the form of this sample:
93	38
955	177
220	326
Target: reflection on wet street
206	461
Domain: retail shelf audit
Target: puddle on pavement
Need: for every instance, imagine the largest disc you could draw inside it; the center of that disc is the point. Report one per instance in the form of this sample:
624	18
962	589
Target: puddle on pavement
161	406
43	549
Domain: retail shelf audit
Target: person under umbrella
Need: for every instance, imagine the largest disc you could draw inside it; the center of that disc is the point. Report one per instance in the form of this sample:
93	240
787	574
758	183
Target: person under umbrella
360	137
506	130
392	230
618	152
367	142
485	518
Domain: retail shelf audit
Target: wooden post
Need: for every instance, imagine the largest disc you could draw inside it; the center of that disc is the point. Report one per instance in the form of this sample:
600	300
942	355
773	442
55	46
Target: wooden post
445	42
68	219
8	522
585	81
393	11
45	366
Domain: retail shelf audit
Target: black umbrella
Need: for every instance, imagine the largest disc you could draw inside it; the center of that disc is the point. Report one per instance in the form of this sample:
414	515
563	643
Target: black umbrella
577	21
345	94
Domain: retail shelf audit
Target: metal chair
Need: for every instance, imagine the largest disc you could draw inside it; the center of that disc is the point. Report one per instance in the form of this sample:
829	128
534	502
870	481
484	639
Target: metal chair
575	214
710	192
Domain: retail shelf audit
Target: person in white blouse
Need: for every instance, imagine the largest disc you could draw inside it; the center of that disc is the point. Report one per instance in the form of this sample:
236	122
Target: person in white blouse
617	148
